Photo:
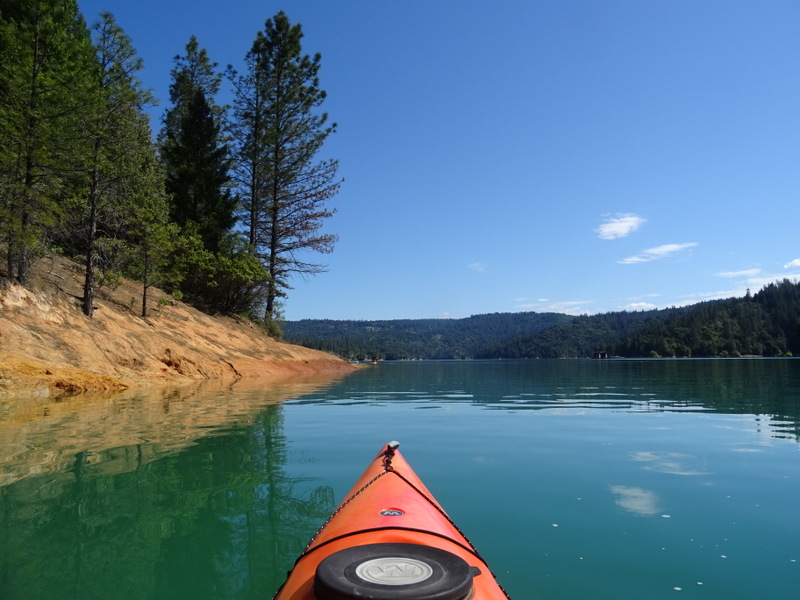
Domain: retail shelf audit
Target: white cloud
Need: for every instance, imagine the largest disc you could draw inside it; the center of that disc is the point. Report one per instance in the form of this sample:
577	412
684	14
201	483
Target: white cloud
569	307
756	283
639	306
620	226
478	267
745	273
657	253
715	295
753	279
632	260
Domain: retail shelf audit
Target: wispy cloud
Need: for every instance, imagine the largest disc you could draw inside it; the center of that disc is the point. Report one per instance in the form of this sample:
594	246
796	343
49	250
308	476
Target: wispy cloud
478	267
620	226
657	253
639	306
756	278
756	283
688	299
792	264
737	274
569	307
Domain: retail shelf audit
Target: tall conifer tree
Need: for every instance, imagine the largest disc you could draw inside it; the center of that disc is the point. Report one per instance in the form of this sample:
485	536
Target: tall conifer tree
113	126
151	239
279	133
194	153
44	73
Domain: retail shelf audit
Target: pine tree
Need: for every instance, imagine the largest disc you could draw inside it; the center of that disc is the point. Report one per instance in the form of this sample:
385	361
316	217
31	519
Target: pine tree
279	134
248	130
113	127
46	58
221	274
152	240
194	152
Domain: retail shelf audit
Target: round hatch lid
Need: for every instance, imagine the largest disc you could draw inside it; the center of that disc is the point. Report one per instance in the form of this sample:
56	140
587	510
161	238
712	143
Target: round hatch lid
393	572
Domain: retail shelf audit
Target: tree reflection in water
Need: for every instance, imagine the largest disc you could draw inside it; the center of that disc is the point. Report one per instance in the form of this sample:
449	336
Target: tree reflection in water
218	519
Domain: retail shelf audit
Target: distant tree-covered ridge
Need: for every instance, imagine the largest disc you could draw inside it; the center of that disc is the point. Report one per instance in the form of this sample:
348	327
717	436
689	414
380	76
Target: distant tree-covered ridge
764	324
407	339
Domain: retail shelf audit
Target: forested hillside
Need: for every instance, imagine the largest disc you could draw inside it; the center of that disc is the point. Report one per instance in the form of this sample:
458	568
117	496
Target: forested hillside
764	324
417	338
215	211
580	337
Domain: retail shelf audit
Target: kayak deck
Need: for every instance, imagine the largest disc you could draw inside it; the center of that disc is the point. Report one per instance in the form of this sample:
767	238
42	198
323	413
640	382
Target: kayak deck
390	540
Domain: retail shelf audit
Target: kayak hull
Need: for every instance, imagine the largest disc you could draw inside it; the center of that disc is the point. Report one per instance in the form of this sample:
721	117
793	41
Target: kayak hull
388	516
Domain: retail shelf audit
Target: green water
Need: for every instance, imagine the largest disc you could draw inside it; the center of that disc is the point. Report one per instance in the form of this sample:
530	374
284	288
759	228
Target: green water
575	479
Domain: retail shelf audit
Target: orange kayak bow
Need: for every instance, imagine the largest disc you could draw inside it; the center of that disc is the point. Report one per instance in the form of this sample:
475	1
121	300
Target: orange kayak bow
390	540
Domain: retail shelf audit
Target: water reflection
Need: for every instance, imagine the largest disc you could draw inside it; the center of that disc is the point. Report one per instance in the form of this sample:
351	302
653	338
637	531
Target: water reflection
636	500
194	515
767	388
120	432
212	493
671	463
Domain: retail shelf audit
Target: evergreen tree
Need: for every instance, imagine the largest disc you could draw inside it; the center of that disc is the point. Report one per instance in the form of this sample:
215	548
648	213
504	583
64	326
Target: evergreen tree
232	279
196	160
194	153
192	72
248	129
197	173
117	149
279	134
46	58
152	240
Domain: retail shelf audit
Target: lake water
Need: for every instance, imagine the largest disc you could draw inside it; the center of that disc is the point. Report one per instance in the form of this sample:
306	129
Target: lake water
574	479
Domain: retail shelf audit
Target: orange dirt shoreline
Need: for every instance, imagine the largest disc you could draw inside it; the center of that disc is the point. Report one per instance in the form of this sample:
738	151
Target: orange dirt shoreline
48	347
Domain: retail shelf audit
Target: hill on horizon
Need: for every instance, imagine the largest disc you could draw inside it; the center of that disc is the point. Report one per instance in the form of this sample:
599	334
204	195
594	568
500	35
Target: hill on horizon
764	324
403	339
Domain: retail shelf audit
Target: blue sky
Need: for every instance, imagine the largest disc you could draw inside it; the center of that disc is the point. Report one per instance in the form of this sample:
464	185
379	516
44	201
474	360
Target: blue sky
561	155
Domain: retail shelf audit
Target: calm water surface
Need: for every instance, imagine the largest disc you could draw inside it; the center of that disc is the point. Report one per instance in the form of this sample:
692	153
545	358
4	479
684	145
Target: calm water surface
575	479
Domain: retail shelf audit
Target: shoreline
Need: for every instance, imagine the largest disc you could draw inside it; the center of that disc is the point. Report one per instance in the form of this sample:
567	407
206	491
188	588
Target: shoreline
48	347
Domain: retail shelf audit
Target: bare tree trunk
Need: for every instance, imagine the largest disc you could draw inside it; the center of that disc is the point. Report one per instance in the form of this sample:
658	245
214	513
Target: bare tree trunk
88	284
145	283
